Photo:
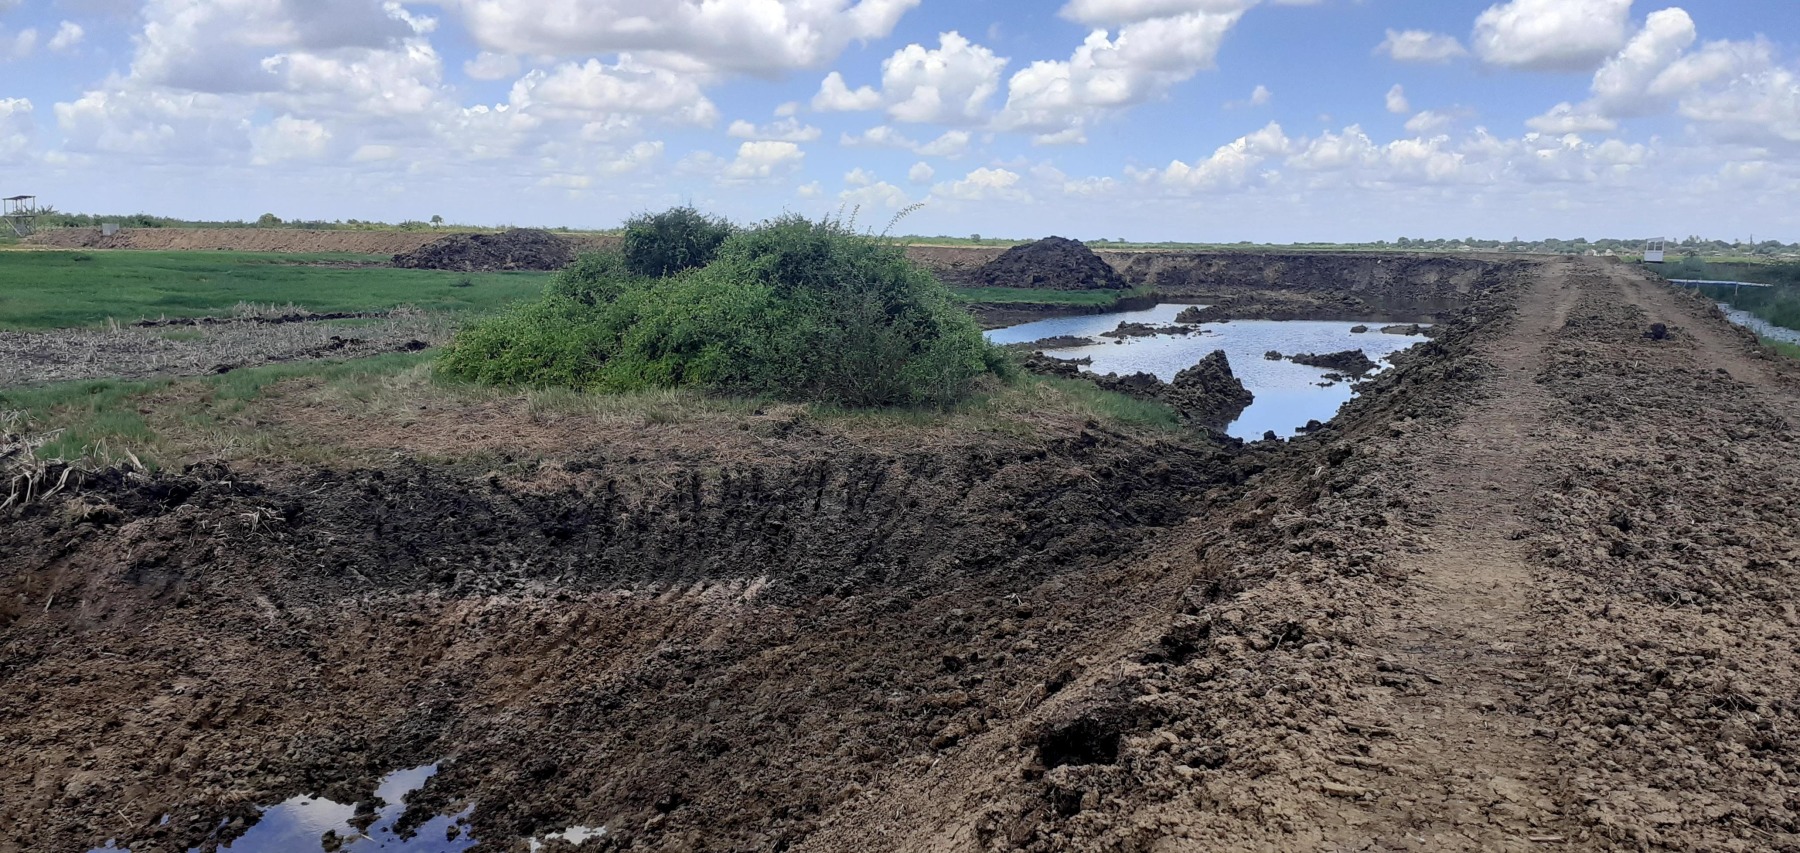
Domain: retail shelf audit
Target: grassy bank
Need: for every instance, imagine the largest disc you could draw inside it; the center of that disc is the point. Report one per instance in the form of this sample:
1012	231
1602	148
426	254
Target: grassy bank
274	413
51	290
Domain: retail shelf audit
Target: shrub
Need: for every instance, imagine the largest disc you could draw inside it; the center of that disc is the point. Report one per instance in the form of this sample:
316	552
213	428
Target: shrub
667	243
791	308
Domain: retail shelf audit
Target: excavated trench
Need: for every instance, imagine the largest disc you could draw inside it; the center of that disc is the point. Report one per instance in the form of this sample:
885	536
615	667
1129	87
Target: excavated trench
696	652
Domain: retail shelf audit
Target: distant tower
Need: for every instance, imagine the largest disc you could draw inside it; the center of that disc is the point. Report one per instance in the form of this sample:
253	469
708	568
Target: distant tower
1653	251
21	213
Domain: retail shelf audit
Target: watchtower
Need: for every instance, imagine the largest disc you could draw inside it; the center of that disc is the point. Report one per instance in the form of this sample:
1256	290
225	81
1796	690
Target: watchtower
21	214
1653	251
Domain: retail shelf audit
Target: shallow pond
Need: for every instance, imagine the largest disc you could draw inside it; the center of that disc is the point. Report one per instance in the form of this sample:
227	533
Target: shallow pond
1759	325
1287	394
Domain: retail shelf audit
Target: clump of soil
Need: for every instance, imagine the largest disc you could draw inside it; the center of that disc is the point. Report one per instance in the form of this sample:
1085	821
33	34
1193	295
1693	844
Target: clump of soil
1270	305
1057	342
1353	362
1207	395
1053	263
516	249
1409	329
1144	330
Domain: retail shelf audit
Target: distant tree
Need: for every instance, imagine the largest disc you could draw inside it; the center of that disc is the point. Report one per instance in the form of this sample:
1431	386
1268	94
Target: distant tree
437	221
268	220
975	237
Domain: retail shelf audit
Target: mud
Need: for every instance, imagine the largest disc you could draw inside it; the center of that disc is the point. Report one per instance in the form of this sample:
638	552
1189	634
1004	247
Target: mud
1349	362
1207	396
208	345
285	240
1530	590
512	249
1053	263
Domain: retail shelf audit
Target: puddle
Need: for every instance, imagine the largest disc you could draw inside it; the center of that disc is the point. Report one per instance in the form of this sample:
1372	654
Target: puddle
573	835
1759	325
1287	394
300	824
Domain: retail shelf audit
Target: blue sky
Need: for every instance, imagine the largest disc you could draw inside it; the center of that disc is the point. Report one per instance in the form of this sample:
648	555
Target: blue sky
1210	120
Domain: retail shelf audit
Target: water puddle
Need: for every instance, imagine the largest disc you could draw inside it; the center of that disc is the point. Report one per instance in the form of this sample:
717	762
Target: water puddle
1759	325
1287	394
303	823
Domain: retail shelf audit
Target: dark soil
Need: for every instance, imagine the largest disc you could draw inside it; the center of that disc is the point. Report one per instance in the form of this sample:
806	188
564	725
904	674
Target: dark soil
1053	263
1207	395
517	249
1353	362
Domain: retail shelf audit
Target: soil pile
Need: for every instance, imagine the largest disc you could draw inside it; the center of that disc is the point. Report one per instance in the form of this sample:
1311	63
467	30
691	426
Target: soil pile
517	249
1354	362
1053	263
1207	395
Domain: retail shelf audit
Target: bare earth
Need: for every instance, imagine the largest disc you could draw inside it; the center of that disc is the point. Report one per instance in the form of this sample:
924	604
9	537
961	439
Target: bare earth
1532	591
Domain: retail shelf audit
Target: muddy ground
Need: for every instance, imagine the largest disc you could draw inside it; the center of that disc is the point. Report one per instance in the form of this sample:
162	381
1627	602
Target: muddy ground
1532	588
209	345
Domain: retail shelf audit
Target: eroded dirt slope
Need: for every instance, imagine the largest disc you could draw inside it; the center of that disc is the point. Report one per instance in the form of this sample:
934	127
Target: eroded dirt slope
1532	589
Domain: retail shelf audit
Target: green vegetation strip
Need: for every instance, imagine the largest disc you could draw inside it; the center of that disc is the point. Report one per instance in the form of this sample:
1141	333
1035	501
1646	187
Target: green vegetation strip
55	290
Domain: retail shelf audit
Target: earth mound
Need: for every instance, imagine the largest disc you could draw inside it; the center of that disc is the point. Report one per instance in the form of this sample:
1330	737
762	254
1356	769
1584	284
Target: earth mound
1354	362
1208	394
1053	263
515	249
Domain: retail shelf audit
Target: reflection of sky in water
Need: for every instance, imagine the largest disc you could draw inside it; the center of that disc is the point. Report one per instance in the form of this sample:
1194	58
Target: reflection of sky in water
1287	394
300	824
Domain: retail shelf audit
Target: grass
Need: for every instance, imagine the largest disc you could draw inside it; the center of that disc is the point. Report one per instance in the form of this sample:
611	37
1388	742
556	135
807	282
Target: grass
1047	297
52	290
165	422
1783	347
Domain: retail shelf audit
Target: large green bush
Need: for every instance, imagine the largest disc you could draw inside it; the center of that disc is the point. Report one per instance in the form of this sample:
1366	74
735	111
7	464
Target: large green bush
792	308
671	242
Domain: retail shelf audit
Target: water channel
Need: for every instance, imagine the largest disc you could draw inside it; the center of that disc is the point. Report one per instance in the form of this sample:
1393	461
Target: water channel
1287	394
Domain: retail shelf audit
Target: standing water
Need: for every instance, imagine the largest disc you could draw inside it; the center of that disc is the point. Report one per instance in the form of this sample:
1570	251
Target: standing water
1287	394
1759	325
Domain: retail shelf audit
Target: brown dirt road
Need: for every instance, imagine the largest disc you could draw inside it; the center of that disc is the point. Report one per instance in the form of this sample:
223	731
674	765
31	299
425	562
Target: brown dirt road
1533	590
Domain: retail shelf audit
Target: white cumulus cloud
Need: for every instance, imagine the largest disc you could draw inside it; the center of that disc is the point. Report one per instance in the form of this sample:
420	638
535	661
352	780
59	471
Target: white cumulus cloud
1552	35
1421	46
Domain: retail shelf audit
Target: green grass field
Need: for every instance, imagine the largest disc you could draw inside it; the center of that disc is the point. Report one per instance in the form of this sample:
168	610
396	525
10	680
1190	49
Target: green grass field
52	290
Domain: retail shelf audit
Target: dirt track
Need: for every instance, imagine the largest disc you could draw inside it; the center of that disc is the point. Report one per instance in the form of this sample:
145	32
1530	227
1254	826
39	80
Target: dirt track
1533	589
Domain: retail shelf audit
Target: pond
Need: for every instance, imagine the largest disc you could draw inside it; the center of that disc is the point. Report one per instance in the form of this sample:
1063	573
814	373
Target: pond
1759	325
1287	394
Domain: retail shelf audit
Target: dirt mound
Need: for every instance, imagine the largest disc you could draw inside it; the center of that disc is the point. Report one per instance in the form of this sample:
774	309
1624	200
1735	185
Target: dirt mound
1207	395
1354	362
284	240
1053	263
516	249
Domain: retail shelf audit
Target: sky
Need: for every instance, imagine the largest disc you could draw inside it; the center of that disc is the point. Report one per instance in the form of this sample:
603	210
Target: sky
1192	120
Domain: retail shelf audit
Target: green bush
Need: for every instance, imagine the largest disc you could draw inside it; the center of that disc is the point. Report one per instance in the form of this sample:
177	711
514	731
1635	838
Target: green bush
792	308
676	240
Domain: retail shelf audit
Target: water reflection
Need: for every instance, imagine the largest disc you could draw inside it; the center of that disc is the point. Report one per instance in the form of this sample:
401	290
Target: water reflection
1287	394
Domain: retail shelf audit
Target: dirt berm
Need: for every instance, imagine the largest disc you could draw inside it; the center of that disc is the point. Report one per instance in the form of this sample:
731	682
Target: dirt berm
285	240
512	249
1532	590
1053	263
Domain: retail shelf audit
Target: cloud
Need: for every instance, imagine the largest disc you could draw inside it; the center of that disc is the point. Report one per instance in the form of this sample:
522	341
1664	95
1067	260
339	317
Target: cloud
984	184
1161	43
952	144
788	129
837	96
593	89
68	35
764	37
950	84
491	66
1234	165
1397	102
921	173
1259	97
1421	46
18	126
1551	35
763	160
288	138
19	45
866	190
